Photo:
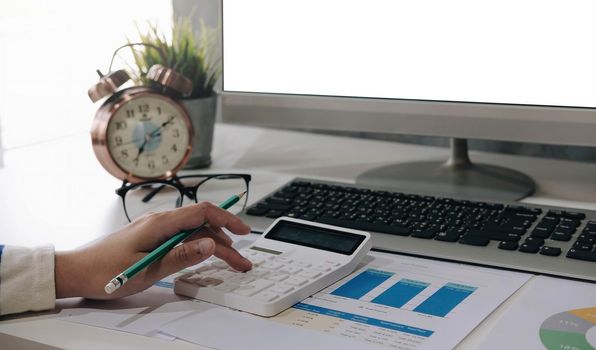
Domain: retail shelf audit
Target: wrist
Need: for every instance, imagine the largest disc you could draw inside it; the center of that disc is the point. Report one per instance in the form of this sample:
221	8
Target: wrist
65	275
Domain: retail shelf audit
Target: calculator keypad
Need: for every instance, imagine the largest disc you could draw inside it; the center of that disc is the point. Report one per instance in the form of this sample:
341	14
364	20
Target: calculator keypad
270	279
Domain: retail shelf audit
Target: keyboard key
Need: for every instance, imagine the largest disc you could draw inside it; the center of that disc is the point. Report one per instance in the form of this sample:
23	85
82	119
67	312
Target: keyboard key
534	241
588	239
529	248
542	231
560	236
508	245
550	251
581	255
424	233
448	236
474	240
582	246
566	229
494	235
567	214
256	211
367	226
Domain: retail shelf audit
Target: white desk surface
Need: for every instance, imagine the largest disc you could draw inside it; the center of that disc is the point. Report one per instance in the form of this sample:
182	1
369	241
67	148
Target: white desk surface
56	192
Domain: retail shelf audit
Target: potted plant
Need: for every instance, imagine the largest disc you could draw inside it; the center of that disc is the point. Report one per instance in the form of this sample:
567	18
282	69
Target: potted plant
195	58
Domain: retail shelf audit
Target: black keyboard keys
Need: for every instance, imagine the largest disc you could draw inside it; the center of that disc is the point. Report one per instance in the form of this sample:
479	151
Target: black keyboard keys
550	251
581	255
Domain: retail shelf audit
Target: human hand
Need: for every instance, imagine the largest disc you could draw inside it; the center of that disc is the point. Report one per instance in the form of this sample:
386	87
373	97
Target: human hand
84	272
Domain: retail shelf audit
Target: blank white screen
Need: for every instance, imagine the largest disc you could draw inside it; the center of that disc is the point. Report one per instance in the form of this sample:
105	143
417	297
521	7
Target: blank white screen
538	52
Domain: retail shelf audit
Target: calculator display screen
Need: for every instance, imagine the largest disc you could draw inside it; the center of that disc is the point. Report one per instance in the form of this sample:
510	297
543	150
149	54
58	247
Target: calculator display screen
315	237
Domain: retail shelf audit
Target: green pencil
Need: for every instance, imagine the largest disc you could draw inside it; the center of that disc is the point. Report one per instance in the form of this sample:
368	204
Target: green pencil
162	250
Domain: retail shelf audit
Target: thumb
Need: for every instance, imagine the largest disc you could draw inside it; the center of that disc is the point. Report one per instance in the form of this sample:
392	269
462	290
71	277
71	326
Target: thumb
187	254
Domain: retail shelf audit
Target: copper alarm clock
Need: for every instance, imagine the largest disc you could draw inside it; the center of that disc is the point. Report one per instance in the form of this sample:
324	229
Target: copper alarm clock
142	133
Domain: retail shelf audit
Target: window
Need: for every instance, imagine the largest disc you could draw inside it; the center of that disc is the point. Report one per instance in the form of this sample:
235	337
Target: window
49	51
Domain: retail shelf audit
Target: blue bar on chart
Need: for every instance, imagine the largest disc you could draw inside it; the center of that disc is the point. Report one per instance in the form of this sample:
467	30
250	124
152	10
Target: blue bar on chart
400	293
445	299
362	284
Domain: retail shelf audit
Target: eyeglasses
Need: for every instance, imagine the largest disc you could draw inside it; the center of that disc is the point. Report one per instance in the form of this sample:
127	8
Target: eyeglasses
161	195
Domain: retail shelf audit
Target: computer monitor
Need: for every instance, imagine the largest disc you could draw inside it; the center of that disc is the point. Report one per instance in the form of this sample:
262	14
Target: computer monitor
513	70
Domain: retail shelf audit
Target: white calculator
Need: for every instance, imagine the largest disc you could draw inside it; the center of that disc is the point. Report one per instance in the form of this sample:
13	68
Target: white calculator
292	260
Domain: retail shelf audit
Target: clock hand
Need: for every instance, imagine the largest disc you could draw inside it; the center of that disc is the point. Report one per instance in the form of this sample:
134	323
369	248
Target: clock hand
163	125
142	148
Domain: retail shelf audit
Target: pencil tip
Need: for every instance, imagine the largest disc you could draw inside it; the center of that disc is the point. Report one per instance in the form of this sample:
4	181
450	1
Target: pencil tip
242	194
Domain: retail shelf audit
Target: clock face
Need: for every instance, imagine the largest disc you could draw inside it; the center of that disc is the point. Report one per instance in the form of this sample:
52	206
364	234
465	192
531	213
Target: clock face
148	136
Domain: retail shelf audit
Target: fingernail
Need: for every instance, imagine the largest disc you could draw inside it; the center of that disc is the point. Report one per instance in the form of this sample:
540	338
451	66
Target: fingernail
205	246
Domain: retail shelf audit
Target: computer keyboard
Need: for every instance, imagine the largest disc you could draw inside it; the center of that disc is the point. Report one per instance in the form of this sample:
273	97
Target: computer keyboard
541	239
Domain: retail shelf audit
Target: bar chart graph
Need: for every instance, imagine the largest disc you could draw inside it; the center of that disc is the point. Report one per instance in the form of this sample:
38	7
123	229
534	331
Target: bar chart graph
400	293
397	293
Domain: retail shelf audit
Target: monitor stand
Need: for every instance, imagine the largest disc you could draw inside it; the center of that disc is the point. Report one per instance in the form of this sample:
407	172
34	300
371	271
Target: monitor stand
458	178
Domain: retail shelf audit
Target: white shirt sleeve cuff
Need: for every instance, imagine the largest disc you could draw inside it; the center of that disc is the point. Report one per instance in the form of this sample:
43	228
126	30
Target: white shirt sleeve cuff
26	279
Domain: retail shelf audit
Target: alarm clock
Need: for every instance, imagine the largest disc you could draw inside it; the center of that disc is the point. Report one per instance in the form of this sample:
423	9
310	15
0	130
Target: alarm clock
142	133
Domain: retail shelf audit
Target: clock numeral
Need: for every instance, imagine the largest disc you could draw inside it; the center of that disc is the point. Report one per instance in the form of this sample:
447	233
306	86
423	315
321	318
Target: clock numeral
164	160
118	140
124	153
121	125
136	161
159	110
174	148
151	164
130	113
144	108
176	133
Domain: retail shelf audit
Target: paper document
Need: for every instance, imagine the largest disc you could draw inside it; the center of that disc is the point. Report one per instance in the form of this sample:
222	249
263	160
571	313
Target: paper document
142	313
394	302
549	313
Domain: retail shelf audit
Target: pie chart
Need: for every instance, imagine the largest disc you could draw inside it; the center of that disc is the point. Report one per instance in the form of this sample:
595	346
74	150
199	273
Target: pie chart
573	330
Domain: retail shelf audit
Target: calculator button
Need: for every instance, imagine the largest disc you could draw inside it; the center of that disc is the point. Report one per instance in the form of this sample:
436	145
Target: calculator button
291	270
310	274
272	265
252	288
284	260
223	275
241	278
296	281
258	272
303	264
226	287
282	288
322	268
190	278
257	261
206	282
266	296
276	276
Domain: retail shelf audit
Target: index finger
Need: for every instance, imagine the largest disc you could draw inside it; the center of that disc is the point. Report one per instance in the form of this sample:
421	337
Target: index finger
162	226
